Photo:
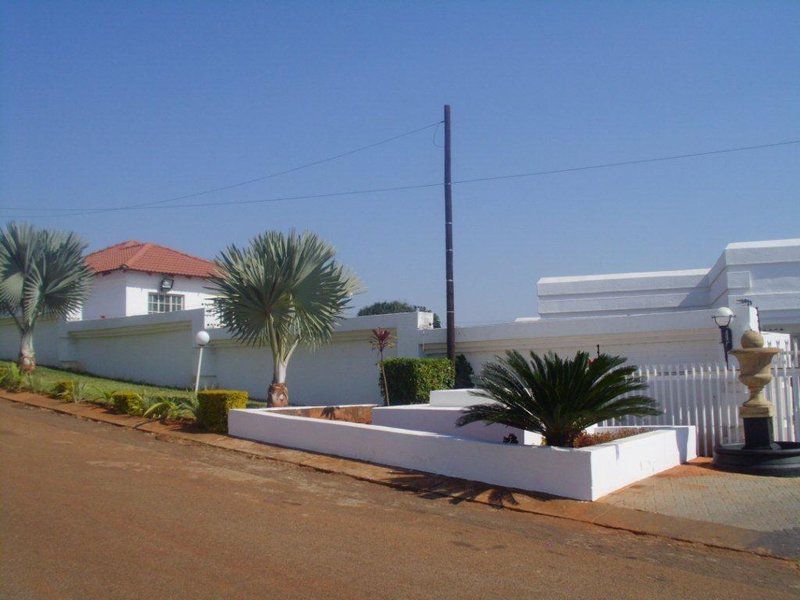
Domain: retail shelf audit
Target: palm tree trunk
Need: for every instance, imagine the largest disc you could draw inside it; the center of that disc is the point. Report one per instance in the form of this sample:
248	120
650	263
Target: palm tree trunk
278	392
27	357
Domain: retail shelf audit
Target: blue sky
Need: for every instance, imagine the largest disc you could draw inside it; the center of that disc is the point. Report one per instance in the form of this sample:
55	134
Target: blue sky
117	103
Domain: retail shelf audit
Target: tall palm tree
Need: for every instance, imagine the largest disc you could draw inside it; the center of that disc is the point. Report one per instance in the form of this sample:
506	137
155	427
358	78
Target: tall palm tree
558	397
42	273
281	291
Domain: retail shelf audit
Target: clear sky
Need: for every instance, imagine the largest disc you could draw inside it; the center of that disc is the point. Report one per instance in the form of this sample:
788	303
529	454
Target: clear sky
117	103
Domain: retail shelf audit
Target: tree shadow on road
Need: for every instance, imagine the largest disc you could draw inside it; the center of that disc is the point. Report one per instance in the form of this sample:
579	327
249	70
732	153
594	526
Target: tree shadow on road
434	487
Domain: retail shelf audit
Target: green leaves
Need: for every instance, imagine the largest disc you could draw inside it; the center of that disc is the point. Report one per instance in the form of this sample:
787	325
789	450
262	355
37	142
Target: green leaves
558	397
42	272
282	290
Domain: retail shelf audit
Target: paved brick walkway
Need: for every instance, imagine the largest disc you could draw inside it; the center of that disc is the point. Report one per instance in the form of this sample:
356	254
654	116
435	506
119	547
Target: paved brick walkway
696	491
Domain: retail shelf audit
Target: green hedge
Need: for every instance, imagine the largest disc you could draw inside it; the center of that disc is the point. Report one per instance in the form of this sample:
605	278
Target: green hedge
213	406
410	380
127	402
64	389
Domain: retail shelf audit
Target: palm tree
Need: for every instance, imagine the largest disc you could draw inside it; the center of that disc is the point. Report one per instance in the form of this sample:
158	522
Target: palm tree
42	273
282	291
558	397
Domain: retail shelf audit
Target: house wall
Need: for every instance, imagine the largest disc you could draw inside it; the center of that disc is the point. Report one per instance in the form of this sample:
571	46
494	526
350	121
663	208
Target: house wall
140	285
107	297
125	293
768	273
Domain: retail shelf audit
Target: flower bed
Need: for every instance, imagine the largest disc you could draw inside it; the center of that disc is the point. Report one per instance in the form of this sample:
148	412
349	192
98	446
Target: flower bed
581	473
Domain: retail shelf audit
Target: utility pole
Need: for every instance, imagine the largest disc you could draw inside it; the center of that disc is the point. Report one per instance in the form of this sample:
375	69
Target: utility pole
448	234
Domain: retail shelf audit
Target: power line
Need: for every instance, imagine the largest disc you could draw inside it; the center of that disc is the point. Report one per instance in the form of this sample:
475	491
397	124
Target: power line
416	186
241	202
630	162
240	183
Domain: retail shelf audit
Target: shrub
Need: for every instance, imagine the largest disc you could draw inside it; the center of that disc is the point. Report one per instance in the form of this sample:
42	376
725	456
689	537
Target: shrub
12	378
64	390
410	380
213	406
105	396
464	373
163	407
128	403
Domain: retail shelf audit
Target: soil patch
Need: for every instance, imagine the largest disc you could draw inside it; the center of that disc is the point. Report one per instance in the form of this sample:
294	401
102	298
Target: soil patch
350	414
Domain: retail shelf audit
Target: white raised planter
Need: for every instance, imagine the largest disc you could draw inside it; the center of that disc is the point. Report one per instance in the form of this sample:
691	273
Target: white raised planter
460	398
442	419
583	474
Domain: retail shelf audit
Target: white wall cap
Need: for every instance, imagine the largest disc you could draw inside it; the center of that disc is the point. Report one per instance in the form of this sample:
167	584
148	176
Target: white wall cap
635	275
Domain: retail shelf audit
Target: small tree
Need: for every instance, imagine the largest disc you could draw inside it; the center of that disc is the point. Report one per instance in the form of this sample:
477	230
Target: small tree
464	373
42	273
382	339
558	397
395	306
282	291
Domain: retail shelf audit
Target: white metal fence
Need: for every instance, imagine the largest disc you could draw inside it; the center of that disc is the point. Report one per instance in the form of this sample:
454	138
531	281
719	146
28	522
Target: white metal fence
708	396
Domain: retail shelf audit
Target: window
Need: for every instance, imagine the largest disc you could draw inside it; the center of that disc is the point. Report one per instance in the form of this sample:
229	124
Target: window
163	303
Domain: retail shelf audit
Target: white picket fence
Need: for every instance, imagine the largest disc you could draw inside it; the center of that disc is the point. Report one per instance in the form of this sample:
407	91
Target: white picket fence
708	396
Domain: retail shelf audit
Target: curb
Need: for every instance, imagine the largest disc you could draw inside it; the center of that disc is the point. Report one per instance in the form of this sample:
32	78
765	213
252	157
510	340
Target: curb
638	522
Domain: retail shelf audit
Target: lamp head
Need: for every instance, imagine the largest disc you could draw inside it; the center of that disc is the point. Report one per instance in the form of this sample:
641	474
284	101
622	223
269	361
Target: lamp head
202	338
723	316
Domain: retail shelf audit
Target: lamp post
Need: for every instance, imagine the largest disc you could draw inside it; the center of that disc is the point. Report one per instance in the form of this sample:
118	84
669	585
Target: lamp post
201	338
723	317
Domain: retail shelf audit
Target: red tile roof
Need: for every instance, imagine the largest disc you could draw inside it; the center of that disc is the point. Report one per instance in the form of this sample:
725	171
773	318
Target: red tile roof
148	257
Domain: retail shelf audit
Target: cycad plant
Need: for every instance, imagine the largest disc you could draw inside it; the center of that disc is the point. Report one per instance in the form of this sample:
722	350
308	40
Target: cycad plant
42	273
558	397
281	291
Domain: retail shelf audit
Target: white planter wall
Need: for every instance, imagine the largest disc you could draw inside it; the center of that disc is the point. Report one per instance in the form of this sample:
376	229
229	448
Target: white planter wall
582	474
442	419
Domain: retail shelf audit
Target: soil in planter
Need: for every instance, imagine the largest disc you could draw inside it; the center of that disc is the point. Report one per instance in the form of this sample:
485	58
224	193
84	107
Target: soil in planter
349	414
601	437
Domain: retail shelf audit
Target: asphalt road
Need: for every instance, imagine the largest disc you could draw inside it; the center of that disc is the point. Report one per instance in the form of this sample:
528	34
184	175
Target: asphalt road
94	511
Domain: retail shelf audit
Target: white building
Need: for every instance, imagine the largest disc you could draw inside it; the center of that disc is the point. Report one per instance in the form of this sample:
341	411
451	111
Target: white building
138	278
764	273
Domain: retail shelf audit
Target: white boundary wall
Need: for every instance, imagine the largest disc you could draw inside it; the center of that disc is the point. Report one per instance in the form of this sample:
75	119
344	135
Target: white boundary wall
582	473
160	349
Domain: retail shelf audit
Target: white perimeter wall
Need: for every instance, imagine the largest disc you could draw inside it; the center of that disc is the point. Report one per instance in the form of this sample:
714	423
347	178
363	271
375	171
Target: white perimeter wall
160	349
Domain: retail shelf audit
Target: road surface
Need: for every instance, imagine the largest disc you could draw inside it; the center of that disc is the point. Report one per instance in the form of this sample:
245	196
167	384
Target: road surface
94	511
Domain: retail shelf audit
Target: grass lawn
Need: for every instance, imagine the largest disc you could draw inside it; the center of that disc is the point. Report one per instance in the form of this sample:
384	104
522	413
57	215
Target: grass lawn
43	379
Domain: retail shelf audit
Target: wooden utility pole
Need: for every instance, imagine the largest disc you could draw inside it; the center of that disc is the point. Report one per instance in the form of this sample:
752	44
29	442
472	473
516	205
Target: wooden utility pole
448	235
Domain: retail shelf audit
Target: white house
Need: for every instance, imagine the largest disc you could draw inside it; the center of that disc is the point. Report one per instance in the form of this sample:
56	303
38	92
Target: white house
140	278
764	273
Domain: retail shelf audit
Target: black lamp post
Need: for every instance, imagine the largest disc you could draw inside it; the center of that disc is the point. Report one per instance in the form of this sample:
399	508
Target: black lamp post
723	317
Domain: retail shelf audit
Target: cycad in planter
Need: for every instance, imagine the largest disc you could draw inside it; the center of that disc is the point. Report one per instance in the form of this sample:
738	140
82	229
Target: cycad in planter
558	397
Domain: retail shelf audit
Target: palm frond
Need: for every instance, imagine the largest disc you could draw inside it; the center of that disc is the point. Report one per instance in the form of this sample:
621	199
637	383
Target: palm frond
558	397
281	291
42	272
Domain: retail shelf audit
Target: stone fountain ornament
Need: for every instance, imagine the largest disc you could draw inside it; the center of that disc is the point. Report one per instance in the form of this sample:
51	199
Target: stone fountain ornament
760	454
